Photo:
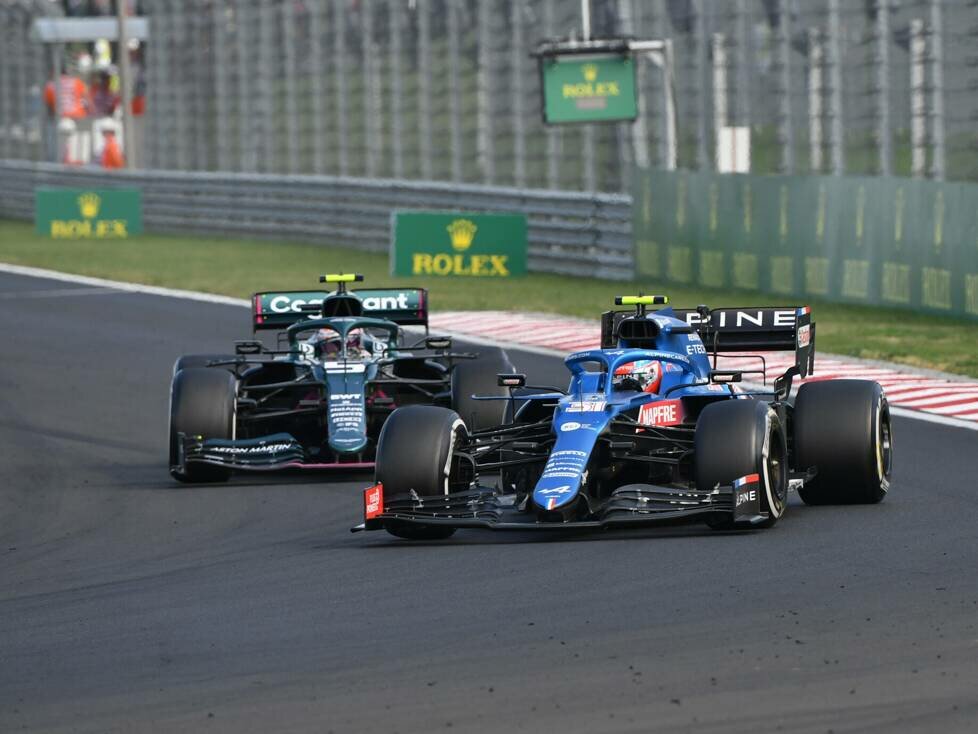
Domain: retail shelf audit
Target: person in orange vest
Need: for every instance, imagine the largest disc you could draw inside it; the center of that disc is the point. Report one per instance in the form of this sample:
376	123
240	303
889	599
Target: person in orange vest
72	93
73	96
111	152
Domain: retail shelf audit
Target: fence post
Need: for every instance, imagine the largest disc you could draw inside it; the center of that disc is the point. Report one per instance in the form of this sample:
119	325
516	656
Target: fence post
291	101
639	137
373	134
702	157
720	114
424	97
222	135
552	132
266	48
486	151
200	96
884	137
937	163
397	27
247	148
454	90
6	87
814	100
837	141
518	52
176	82
317	70
918	106
340	96
742	95
786	133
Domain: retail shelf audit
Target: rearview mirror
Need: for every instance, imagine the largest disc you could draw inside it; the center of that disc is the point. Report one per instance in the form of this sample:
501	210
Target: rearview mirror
438	342
511	380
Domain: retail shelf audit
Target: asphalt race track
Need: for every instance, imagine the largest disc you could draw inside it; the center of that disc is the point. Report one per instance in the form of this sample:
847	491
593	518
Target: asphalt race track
131	603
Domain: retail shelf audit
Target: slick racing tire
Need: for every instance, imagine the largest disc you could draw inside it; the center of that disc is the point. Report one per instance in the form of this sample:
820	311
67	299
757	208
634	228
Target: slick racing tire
201	360
414	452
480	377
201	404
842	430
735	438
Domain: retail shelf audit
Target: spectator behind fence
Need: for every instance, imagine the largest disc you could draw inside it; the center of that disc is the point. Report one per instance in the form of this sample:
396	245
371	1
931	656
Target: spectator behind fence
104	98
72	131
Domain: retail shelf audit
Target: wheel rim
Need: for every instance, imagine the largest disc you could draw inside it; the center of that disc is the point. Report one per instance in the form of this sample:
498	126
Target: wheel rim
884	447
776	471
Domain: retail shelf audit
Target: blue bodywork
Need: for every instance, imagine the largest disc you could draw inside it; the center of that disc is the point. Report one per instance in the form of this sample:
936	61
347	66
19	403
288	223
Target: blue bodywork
592	401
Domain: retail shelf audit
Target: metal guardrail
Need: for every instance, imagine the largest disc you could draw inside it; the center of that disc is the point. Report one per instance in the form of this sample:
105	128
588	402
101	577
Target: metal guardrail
570	233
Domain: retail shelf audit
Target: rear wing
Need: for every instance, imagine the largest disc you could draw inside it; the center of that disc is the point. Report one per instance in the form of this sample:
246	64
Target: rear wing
747	330
767	329
281	309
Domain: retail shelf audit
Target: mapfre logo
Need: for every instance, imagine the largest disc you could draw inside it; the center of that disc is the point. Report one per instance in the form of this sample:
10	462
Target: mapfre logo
373	501
662	413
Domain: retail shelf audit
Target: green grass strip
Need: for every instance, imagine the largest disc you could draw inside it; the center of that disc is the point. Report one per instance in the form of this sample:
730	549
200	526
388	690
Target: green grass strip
241	267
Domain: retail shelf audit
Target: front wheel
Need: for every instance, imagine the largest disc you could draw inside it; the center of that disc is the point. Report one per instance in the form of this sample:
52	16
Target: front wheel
735	438
202	401
414	454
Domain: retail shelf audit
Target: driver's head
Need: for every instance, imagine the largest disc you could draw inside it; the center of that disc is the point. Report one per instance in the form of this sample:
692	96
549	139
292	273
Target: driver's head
642	376
327	343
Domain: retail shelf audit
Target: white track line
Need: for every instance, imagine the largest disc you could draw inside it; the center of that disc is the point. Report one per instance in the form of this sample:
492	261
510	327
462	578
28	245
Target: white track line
454	323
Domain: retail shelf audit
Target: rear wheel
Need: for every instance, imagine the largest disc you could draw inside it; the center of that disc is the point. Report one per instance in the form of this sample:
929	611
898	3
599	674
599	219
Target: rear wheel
480	377
735	438
414	453
842	430
202	403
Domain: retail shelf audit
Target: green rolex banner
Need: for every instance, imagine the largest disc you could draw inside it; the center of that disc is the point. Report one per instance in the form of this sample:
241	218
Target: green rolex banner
880	241
589	89
88	213
458	243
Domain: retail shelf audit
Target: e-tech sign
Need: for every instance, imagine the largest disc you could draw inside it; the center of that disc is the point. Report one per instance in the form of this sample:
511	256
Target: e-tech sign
458	243
88	213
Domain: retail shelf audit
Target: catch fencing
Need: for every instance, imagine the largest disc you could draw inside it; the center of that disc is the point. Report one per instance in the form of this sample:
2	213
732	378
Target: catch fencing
571	233
887	241
446	90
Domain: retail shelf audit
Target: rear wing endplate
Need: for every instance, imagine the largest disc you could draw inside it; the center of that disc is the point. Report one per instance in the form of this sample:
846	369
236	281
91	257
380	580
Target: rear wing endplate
281	309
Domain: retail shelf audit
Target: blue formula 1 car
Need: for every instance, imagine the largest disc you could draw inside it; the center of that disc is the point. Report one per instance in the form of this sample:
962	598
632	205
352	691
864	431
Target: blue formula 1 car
318	400
649	431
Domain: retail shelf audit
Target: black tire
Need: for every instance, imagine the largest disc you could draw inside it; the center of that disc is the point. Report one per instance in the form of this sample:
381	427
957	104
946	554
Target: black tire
201	404
414	452
735	438
842	429
480	377
201	360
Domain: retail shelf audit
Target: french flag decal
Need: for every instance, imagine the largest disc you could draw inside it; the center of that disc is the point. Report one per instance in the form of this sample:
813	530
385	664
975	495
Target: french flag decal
749	479
551	501
803	310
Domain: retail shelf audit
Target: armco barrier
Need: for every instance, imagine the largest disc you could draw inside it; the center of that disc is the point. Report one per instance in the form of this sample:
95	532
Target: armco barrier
883	241
569	233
